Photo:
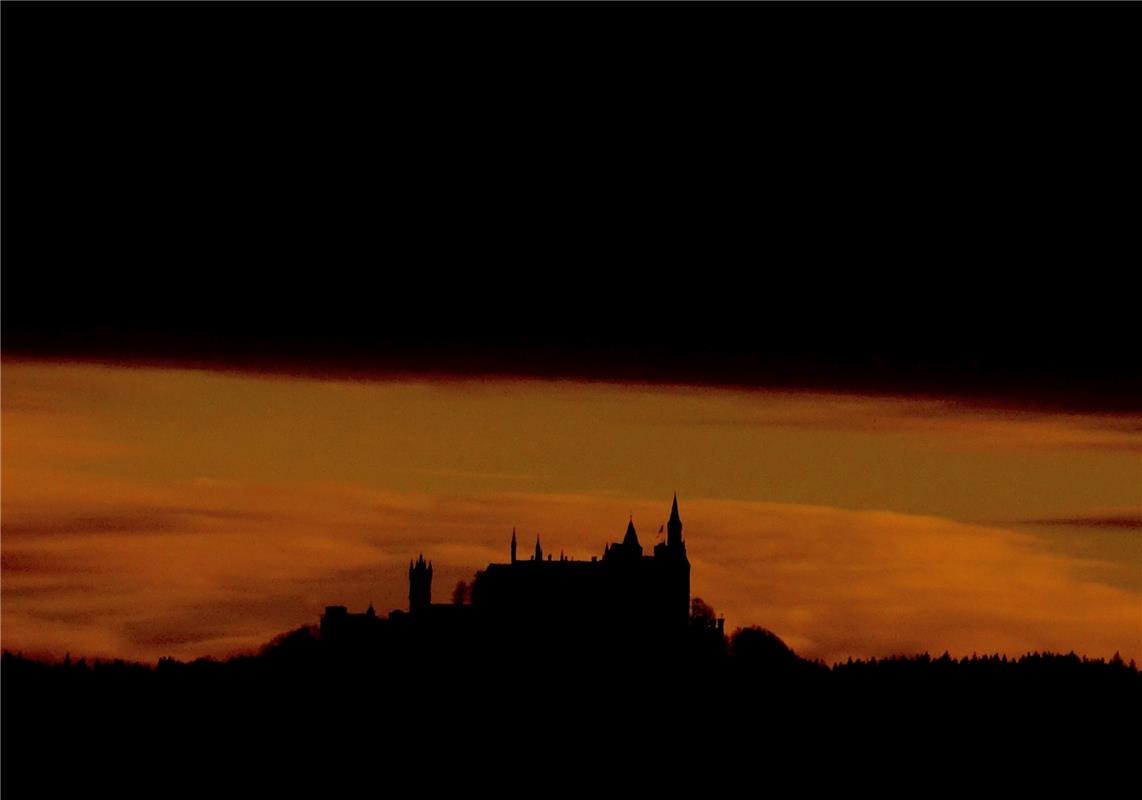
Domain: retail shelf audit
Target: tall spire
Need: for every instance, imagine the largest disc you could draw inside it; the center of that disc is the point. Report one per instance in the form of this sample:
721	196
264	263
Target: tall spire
674	526
513	545
538	549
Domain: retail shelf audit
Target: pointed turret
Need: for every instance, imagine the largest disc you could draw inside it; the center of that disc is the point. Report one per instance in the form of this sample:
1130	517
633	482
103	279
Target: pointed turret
513	545
674	526
631	539
631	548
538	550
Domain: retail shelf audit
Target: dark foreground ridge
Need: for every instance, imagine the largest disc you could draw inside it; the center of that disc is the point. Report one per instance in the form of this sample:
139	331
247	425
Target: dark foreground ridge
454	713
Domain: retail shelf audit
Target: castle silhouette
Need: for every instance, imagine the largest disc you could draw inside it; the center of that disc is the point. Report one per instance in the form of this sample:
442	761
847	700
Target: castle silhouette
624	596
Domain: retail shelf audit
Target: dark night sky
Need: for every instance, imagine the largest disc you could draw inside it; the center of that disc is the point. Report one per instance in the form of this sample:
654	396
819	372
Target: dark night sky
373	190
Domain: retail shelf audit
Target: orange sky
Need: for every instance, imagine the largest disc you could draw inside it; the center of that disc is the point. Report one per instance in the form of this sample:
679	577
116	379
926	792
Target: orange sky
151	512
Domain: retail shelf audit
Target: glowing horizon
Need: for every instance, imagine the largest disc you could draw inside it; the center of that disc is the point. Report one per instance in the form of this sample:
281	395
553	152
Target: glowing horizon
151	512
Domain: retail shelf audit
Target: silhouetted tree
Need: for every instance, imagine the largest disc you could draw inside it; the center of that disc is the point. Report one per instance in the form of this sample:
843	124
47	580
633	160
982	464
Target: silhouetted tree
296	645
755	644
701	614
460	593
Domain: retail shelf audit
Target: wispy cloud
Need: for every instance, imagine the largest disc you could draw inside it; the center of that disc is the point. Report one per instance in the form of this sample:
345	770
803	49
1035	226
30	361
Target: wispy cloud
956	425
832	582
148	513
1123	521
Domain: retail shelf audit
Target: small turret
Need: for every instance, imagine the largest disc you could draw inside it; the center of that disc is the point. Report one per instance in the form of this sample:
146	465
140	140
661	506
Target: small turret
631	545
631	539
513	545
538	550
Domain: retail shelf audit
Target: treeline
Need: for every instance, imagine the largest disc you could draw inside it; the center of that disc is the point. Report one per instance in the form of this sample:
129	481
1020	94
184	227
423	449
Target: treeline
451	713
748	652
1028	664
750	647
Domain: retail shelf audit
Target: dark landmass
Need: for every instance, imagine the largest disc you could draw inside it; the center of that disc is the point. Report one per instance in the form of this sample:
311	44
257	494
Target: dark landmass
452	712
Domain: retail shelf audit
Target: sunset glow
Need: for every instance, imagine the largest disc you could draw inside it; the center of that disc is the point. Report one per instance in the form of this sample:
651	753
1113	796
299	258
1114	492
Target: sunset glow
151	512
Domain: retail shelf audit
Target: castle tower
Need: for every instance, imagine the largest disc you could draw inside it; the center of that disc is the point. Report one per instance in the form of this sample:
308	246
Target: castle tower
513	545
538	550
679	567
419	585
